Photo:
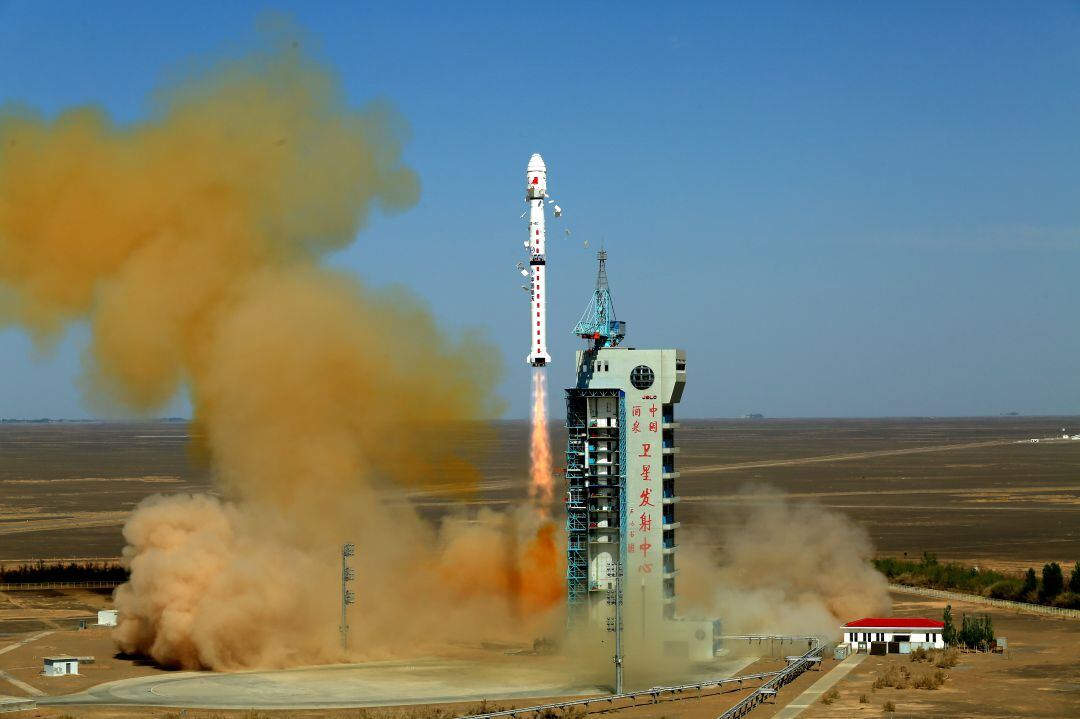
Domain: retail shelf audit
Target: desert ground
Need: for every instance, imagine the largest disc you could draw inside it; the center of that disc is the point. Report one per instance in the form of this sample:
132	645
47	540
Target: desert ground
965	489
973	490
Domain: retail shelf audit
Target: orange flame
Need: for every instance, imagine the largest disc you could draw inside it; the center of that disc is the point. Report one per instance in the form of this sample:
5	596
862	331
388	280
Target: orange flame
542	485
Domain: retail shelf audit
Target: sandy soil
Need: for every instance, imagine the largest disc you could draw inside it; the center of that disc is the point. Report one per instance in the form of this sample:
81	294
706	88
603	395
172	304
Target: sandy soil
962	488
1038	677
978	496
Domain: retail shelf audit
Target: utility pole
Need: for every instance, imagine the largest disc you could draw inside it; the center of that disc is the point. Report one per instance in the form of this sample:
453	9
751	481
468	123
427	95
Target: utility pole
347	597
615	597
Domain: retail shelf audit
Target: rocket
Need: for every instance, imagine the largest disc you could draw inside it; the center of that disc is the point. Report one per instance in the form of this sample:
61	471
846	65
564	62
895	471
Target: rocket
535	194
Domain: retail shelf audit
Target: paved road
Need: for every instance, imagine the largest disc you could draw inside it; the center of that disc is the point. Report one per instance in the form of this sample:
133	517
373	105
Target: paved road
426	681
800	703
843	457
27	640
32	691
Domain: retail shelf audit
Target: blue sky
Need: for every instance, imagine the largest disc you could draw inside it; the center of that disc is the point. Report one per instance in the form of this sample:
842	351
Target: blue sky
837	209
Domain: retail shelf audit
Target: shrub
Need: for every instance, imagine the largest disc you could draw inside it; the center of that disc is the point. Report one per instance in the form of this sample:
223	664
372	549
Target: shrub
830	696
1010	589
930	680
946	658
1074	579
918	654
889	707
64	572
1067	600
863	699
898	677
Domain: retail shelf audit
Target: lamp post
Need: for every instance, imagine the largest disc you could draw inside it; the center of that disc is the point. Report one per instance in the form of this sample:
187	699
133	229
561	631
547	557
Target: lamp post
347	597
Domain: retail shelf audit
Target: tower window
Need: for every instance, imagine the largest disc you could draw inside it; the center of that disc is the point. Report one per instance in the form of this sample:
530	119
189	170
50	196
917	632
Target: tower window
642	377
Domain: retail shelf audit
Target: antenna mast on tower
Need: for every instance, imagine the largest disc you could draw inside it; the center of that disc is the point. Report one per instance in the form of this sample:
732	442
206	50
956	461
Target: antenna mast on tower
598	324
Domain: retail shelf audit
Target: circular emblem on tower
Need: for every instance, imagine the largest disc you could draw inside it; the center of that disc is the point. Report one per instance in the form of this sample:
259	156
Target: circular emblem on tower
642	377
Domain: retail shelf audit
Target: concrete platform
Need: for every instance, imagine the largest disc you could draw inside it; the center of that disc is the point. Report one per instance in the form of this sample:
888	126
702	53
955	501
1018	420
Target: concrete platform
424	681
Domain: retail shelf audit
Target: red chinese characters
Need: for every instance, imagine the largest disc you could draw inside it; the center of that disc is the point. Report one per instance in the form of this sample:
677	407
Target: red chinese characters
645	470
646	495
646	523
646	447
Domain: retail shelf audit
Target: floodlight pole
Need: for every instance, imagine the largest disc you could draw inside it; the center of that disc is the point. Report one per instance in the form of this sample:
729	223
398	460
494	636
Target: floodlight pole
618	629
347	597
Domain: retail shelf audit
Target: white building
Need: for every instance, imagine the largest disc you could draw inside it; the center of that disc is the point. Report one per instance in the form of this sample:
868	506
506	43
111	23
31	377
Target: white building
893	635
60	666
107	617
621	496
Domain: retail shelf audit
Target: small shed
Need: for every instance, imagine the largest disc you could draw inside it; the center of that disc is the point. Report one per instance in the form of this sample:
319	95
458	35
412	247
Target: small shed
893	635
60	666
107	617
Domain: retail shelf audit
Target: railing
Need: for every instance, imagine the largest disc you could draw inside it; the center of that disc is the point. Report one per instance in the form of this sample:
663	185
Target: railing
978	599
655	693
16	586
769	688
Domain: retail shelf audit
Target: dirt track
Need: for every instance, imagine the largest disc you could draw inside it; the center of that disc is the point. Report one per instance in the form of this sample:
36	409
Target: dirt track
710	469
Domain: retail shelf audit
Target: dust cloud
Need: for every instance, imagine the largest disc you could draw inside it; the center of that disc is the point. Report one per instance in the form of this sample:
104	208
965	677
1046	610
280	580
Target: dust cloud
190	243
783	567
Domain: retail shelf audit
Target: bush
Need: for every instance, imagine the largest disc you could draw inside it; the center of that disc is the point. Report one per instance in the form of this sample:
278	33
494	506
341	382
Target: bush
945	658
898	677
918	654
64	572
1067	600
889	707
863	699
929	572
1010	589
830	696
930	680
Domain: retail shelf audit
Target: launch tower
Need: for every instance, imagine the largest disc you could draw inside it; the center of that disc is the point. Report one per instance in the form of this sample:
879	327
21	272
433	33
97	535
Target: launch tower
621	495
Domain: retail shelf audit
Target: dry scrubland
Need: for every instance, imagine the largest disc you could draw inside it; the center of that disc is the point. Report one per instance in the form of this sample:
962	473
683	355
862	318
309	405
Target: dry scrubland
65	490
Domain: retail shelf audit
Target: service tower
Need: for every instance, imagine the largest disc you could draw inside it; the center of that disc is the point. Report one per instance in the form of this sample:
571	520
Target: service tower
621	497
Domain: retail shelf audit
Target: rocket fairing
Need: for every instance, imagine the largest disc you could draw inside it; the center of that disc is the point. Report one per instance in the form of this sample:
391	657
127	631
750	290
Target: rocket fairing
535	194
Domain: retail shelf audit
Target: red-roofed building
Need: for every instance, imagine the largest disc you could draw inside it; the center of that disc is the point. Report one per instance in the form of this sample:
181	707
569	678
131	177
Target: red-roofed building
893	635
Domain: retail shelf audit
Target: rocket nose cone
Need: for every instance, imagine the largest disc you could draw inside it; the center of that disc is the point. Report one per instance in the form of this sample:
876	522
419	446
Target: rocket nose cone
536	163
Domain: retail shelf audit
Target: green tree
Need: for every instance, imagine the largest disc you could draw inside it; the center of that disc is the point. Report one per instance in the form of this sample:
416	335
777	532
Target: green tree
987	630
1031	583
1074	580
948	632
1053	581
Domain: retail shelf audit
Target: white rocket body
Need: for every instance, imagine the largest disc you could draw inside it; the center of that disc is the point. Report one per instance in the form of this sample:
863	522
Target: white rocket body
535	193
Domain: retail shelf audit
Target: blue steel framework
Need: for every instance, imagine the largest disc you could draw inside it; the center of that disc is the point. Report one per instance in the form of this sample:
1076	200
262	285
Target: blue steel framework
584	487
598	323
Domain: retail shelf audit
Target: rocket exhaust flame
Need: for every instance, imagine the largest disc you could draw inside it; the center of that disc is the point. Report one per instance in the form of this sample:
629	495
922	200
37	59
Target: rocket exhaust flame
542	484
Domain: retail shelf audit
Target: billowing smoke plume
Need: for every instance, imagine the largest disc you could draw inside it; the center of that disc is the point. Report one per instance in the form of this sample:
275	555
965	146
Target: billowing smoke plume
190	242
783	567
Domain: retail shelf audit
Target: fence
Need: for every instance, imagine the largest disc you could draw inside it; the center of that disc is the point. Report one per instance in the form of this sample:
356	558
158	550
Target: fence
1000	603
653	694
16	586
